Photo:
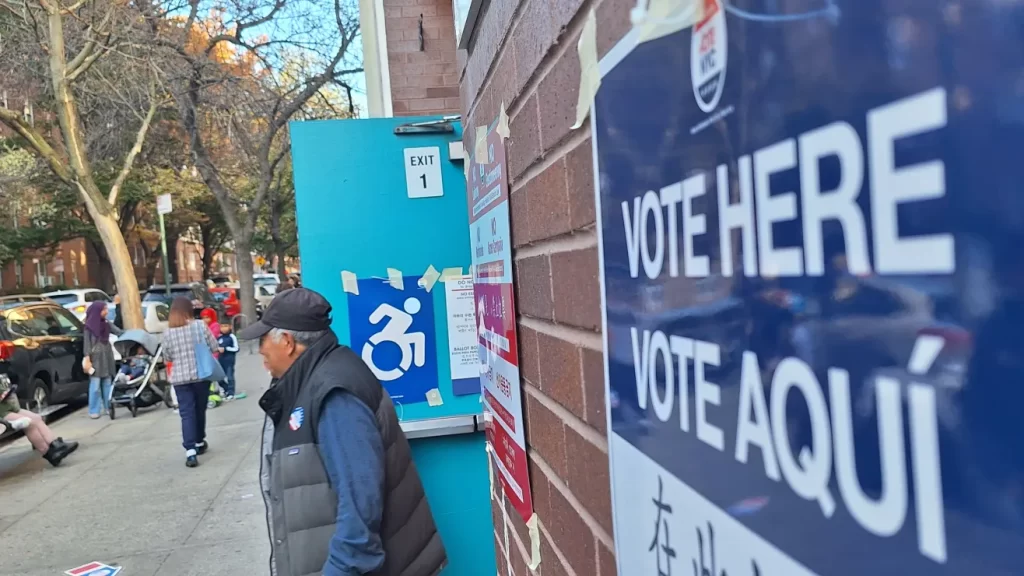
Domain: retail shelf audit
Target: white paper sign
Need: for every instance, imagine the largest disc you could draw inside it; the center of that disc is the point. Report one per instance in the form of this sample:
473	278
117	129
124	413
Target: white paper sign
163	204
462	343
423	172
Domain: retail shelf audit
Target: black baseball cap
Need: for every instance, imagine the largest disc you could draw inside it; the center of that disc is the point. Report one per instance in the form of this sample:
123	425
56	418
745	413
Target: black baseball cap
298	309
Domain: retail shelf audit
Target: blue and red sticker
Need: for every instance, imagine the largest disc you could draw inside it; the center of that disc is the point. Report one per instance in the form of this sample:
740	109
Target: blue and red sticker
296	419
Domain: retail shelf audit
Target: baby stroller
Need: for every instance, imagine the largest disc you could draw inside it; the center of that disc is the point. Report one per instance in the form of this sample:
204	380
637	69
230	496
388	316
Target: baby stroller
146	387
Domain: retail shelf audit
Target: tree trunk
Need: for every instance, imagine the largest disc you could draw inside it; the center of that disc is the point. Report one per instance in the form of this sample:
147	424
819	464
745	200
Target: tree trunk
124	274
279	255
246	286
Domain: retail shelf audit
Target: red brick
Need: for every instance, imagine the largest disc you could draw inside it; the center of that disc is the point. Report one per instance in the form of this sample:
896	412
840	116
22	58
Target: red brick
518	562
504	80
529	356
575	539
594	389
533	283
540	488
579	171
395	12
550	564
453	105
546	434
560	372
612	24
390	3
417	11
502	565
577	289
532	37
524	138
606	561
588	477
559	91
519	526
564	11
408	93
443	92
548	202
519	219
427	104
395	45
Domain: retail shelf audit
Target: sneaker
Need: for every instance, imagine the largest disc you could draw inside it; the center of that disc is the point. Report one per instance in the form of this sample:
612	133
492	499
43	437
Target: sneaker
229	397
190	459
211	405
94	416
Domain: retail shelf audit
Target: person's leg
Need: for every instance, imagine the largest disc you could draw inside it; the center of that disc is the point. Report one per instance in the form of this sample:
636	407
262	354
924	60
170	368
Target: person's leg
37	432
229	372
187	411
105	385
94	397
202	393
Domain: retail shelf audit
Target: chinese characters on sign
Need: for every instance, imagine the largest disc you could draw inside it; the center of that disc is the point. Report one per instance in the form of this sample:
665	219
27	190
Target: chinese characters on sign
487	194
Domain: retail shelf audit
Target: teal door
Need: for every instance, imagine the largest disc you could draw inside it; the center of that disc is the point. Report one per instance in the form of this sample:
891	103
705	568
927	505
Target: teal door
383	235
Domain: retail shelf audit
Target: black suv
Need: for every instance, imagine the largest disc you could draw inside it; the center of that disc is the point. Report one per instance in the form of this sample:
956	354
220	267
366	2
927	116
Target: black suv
197	292
41	352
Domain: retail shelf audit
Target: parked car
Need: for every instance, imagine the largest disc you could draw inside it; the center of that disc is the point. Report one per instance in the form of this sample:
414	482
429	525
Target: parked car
266	280
78	301
156	316
229	298
17	300
264	295
197	292
41	353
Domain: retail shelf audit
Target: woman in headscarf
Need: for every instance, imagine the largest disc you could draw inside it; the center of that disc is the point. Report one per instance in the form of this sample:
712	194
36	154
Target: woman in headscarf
99	357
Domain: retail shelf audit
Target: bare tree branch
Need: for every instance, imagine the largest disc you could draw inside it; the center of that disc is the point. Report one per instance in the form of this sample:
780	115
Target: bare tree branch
35	139
140	138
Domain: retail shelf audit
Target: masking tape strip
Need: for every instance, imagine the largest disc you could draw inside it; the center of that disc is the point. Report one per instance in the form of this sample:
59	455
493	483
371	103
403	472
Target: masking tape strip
429	278
449	274
533	525
480	150
349	283
664	17
395	279
502	128
434	398
590	72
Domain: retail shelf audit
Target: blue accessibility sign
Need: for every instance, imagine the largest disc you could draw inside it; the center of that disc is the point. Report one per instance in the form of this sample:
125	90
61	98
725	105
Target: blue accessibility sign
811	220
393	331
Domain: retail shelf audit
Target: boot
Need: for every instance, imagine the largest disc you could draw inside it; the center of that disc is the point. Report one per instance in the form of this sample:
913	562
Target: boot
59	450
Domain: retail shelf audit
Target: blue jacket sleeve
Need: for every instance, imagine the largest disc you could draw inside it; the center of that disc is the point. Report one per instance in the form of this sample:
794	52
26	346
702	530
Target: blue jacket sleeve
353	454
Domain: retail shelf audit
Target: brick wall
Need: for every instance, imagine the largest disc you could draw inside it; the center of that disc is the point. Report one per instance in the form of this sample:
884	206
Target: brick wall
423	82
523	54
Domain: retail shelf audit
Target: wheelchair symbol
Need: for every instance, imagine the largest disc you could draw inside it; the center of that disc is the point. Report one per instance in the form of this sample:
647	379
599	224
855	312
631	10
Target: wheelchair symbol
412	344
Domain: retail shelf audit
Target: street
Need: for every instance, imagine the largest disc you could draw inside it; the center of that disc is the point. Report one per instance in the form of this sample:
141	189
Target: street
125	498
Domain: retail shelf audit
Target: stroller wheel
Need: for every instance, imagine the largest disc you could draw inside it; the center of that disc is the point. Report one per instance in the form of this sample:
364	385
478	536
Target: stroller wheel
133	409
110	411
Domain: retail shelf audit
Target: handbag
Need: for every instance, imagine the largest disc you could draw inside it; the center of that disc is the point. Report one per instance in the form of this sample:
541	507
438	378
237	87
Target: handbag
207	367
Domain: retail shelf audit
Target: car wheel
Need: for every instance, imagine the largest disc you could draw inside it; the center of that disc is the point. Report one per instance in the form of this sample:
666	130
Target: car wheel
39	398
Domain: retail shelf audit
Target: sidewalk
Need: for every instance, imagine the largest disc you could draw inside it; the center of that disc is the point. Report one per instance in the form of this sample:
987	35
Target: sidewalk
126	498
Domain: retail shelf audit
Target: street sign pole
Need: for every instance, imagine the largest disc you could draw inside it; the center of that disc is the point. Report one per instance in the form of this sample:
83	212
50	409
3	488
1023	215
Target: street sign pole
163	206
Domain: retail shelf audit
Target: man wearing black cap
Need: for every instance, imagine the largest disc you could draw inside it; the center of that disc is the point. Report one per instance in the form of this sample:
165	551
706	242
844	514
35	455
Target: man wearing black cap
342	493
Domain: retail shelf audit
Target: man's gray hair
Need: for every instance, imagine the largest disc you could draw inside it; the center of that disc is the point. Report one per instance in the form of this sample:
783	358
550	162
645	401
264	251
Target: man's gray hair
303	338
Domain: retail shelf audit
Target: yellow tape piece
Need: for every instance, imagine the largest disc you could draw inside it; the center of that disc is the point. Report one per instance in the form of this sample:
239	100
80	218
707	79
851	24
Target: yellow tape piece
349	283
450	274
533	525
395	279
480	150
664	17
502	128
590	72
430	278
434	398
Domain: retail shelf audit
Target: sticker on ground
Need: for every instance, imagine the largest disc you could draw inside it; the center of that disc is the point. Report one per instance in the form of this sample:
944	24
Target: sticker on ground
94	569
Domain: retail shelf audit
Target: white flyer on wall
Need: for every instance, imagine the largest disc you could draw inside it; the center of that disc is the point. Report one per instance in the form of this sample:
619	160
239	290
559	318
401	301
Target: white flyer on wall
462	342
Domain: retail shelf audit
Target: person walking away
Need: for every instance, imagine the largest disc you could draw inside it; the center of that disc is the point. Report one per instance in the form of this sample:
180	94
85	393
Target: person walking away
181	341
228	351
99	357
52	448
342	492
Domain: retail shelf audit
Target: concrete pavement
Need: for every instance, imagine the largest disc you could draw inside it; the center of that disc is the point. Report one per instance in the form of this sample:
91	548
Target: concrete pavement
125	498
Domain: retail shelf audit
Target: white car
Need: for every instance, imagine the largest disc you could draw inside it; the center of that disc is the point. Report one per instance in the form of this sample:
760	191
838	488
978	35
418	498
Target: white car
78	301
